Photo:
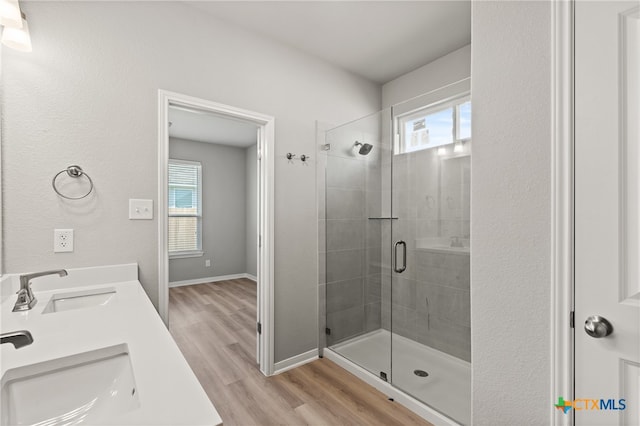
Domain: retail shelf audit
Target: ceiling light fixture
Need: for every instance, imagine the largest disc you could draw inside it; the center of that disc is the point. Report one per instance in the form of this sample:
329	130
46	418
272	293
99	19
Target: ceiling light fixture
17	38
10	13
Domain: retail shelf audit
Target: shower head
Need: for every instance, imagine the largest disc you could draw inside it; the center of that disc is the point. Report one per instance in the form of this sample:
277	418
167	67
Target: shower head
365	148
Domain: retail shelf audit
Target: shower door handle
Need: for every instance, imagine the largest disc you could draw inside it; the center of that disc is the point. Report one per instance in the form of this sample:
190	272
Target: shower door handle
404	257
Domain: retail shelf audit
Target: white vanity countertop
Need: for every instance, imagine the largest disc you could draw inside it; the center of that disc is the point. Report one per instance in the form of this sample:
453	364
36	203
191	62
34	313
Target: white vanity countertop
169	392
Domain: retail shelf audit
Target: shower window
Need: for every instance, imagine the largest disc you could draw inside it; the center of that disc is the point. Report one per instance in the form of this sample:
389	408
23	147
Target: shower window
436	126
463	121
185	209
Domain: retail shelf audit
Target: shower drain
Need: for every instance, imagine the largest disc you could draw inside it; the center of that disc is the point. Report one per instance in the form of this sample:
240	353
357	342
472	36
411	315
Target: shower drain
420	373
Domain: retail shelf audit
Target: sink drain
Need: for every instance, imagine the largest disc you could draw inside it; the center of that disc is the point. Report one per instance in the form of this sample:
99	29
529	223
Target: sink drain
420	373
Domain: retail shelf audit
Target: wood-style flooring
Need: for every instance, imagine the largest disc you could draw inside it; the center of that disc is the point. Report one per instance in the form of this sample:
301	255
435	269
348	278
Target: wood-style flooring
214	326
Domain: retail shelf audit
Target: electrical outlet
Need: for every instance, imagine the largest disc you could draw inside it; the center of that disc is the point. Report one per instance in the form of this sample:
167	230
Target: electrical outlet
207	263
62	240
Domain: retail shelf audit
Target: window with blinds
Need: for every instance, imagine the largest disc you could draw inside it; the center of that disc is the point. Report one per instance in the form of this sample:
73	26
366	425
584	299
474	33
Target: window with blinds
185	208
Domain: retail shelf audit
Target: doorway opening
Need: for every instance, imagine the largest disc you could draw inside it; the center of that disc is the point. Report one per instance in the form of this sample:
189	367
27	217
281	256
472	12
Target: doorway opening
215	216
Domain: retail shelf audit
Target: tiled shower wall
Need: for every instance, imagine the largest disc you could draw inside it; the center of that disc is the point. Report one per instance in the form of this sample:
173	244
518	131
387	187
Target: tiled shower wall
350	243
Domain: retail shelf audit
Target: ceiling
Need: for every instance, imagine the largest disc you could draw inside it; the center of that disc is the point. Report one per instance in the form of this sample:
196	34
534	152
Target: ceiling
379	40
204	126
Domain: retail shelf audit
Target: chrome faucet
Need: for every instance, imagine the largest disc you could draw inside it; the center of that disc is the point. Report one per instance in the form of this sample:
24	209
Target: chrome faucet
18	338
26	299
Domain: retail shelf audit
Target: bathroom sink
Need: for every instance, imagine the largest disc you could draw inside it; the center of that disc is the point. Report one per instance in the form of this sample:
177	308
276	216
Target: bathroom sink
88	388
79	299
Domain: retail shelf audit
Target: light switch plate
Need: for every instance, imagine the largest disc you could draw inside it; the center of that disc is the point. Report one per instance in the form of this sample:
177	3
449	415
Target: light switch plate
140	209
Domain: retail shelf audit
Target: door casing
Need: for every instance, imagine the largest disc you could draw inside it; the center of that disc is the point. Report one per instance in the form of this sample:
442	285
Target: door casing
266	149
562	224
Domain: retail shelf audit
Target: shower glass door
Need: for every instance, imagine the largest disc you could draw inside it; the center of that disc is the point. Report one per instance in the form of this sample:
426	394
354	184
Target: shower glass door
429	257
357	216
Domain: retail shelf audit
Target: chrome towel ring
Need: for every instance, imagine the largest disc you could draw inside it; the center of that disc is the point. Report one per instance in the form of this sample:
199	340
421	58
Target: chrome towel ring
75	172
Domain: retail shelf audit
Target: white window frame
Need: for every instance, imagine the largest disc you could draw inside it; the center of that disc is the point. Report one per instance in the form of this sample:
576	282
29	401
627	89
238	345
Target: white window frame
401	142
198	252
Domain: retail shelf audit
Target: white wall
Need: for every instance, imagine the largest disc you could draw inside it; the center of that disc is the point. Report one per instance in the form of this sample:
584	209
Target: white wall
223	210
443	71
511	213
87	95
251	227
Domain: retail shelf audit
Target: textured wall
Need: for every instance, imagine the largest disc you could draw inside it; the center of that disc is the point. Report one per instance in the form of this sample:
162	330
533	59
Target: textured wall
446	70
223	210
87	94
511	212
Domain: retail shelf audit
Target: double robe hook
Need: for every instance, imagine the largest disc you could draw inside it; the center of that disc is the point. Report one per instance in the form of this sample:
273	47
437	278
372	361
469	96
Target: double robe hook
303	157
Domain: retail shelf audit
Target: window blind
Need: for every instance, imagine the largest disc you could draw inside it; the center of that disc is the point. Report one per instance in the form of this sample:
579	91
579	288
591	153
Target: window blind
185	207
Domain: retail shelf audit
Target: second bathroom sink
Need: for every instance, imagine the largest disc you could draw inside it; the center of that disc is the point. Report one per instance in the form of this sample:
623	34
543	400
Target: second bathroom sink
79	299
87	388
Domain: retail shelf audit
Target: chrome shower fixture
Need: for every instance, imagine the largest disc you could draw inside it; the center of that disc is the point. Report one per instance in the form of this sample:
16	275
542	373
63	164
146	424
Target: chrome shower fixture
365	148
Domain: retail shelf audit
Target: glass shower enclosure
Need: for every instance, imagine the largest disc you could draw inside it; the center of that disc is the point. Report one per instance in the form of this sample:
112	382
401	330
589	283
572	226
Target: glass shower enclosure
397	228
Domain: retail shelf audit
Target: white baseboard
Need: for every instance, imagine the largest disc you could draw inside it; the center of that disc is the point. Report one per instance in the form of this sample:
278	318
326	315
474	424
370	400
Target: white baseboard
251	277
295	361
211	279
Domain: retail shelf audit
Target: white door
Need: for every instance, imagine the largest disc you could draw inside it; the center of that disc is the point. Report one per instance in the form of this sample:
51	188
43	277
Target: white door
607	205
